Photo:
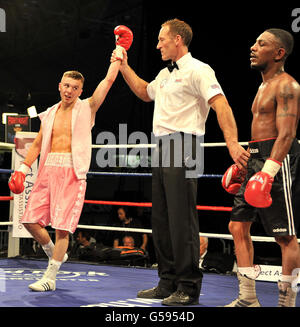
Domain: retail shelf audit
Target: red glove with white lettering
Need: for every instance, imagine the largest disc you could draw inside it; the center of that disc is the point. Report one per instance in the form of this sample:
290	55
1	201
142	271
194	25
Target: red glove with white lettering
233	179
258	189
124	38
17	179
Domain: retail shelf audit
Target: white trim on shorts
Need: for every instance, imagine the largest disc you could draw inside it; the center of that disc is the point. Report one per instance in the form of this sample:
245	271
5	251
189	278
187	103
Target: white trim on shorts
287	188
59	159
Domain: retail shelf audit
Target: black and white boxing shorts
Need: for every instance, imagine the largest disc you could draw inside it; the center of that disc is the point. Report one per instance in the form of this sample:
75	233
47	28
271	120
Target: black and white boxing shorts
282	217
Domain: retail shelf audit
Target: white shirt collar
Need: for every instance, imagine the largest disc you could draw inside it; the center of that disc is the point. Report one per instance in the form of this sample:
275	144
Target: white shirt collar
183	60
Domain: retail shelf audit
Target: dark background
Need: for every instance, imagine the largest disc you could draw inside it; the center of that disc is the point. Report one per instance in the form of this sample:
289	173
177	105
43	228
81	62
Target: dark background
47	37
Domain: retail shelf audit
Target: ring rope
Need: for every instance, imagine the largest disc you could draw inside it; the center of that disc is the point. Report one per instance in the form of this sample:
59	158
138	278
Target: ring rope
143	146
6	223
133	204
104	173
6	198
4	145
149	231
143	174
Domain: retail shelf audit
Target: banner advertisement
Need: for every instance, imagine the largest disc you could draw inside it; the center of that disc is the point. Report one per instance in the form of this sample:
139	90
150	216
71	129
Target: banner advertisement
269	273
23	141
15	124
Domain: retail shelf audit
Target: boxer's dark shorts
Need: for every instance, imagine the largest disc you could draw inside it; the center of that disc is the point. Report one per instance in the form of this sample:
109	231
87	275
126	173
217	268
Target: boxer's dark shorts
282	217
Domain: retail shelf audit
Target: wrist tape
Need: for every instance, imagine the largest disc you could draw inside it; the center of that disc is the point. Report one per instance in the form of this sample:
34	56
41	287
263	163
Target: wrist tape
271	167
24	168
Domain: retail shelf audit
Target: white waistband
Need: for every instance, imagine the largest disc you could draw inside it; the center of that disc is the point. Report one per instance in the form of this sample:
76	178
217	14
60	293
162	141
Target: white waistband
59	159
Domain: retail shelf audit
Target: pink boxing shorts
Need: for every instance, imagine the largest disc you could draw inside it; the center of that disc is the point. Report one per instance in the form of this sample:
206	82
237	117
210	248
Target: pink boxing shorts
57	196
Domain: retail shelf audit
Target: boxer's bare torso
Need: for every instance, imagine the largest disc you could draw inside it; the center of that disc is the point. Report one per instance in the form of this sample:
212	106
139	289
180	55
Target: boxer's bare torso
61	132
276	111
70	89
265	109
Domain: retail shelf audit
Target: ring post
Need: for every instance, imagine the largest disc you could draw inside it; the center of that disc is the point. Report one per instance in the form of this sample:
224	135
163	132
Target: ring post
13	242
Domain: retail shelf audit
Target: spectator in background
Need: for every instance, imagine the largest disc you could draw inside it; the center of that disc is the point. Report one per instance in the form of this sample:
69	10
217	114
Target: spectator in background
128	241
84	238
83	241
203	249
124	220
144	216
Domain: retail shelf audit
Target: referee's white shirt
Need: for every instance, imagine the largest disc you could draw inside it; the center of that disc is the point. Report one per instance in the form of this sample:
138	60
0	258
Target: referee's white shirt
181	97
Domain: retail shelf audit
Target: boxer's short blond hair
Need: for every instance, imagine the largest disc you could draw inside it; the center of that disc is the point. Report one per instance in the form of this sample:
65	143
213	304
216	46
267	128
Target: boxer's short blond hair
74	74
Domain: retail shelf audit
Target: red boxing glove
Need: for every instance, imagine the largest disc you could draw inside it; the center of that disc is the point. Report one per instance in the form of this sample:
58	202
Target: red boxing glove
124	38
17	179
257	192
233	179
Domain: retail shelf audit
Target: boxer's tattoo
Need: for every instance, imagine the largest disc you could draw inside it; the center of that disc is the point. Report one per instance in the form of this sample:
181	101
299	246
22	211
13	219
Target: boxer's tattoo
286	115
286	95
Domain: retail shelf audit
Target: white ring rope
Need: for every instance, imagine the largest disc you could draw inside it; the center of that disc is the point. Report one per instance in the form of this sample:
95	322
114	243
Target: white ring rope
143	146
111	146
6	223
149	231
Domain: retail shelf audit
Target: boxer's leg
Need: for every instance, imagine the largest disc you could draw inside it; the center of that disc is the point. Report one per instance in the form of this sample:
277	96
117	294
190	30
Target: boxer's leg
246	273
243	245
38	232
61	244
290	264
41	235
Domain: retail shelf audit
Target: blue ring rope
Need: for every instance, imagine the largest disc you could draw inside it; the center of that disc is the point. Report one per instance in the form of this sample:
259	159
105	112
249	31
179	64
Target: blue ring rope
100	173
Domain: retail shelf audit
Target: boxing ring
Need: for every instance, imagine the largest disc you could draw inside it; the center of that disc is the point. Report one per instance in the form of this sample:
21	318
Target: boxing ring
113	286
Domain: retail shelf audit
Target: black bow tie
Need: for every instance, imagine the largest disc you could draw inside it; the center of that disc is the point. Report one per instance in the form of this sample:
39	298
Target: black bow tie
171	66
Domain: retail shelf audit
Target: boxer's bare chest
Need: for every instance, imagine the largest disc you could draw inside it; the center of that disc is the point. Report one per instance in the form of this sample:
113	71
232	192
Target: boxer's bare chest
264	111
265	100
62	131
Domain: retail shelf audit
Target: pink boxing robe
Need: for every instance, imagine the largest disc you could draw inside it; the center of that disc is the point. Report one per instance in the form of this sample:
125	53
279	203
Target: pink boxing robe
82	123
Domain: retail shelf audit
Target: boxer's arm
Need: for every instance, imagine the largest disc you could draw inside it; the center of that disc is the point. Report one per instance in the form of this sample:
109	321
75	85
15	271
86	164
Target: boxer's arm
137	85
228	126
287	117
17	178
34	150
104	86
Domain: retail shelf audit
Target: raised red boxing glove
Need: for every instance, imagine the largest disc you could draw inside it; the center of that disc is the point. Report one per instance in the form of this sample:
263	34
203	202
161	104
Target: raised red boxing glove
124	38
258	188
233	179
17	179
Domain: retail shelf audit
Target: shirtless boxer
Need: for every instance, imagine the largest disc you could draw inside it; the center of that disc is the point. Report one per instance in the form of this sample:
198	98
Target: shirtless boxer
272	183
64	146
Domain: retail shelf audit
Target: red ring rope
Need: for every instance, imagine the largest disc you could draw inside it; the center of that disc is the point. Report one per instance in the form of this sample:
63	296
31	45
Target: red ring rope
6	198
134	204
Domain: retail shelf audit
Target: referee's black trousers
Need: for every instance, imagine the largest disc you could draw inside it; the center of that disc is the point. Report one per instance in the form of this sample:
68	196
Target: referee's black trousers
175	224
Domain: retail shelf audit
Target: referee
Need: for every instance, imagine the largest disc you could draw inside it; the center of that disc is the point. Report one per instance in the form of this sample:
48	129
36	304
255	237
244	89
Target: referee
183	93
